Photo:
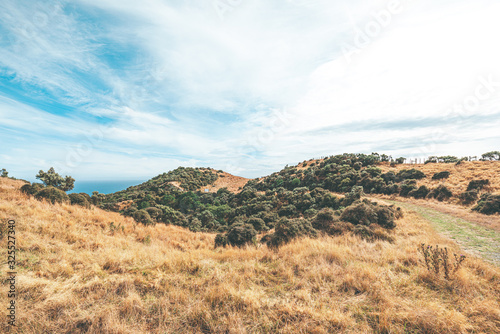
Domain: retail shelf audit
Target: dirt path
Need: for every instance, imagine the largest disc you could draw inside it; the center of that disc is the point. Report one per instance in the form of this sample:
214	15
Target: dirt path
472	237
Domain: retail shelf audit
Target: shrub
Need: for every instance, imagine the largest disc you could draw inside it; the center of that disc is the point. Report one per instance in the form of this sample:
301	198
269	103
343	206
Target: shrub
258	224
441	175
171	216
240	234
440	193
154	213
194	224
352	196
488	204
143	217
367	213
221	240
324	219
388	177
413	173
469	197
79	199
477	184
310	213
32	189
53	195
289	229
360	213
407	186
287	211
421	192
385	216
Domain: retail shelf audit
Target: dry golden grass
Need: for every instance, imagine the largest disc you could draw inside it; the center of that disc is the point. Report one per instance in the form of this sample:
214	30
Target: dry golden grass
231	182
460	175
77	275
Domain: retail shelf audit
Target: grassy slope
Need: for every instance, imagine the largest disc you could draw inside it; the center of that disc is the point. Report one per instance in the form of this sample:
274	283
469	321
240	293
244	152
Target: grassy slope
473	237
460	175
76	275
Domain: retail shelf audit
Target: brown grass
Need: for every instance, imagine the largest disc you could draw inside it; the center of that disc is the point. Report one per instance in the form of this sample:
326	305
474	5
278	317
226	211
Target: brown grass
460	175
231	182
77	275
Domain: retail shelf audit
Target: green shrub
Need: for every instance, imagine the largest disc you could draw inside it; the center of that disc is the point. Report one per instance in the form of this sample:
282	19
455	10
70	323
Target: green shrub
360	213
195	225
53	195
289	229
407	186
155	213
143	217
324	219
441	175
287	211
309	213
488	204
413	173
385	216
79	199
32	189
477	184
367	213
469	197
257	223
240	234
353	195
421	192
440	193
221	240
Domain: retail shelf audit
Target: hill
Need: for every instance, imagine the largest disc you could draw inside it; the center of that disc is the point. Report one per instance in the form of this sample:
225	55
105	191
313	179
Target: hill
90	271
459	177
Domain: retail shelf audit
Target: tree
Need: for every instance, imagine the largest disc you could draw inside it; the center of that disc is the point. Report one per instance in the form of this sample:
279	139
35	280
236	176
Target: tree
52	179
4	172
493	155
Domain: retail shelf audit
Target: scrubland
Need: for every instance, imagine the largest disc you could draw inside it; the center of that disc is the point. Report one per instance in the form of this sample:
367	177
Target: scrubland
460	175
91	271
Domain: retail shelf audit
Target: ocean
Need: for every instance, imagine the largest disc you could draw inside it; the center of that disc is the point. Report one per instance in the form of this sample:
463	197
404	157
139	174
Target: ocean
104	187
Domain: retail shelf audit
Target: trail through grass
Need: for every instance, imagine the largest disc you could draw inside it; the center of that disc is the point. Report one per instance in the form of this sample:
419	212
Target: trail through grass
472	237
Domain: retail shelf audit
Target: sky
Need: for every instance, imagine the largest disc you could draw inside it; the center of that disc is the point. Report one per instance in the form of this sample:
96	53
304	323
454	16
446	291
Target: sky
121	89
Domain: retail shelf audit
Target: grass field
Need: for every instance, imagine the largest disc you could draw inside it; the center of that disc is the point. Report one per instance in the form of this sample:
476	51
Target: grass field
91	271
460	175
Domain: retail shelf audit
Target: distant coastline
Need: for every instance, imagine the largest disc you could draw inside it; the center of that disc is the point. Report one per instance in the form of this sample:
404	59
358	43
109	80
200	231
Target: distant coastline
104	187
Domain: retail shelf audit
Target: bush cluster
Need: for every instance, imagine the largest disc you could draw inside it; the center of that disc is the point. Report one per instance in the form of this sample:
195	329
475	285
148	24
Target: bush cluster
477	184
440	193
488	204
52	195
441	175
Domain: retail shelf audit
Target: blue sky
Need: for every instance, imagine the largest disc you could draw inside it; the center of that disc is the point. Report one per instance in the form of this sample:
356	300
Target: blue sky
108	89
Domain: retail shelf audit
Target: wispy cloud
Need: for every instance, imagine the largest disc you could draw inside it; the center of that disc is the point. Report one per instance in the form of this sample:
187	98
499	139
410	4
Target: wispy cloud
170	83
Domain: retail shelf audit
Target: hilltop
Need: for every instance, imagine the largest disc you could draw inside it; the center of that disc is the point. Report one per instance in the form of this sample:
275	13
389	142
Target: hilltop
204	199
91	271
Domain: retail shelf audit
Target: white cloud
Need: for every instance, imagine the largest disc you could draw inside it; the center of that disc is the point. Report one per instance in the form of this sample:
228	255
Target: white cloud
172	82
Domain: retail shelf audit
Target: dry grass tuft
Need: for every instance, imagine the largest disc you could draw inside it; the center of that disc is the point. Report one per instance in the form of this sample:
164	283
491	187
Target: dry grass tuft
76	275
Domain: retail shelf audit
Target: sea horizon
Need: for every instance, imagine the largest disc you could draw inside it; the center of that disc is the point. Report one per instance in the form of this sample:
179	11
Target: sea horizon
103	186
